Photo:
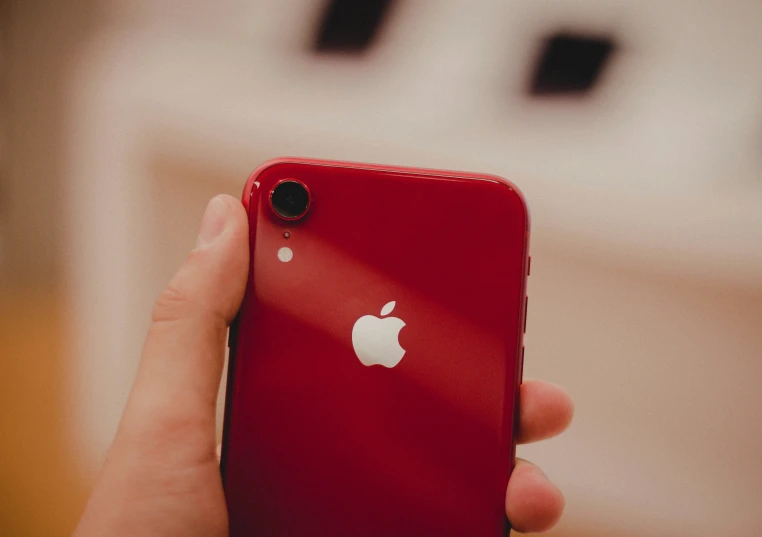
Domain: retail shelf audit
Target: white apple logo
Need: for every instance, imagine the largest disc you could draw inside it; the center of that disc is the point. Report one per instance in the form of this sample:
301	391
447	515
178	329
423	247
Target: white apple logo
376	340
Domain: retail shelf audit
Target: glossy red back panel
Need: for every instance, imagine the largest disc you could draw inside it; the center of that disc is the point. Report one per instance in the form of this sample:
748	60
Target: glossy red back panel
318	444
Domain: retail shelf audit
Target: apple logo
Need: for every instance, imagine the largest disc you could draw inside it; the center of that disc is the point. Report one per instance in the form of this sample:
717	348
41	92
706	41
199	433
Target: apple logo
375	340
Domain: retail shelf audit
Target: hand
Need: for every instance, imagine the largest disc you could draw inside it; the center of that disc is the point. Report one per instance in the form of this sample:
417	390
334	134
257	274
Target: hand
161	476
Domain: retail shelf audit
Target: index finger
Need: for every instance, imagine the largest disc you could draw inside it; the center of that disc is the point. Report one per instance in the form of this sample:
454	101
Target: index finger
545	410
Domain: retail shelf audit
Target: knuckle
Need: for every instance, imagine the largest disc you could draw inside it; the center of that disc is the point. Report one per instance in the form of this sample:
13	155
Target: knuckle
173	304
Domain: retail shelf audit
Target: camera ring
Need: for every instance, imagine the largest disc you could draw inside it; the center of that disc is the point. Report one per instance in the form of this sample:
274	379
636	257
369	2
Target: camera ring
290	211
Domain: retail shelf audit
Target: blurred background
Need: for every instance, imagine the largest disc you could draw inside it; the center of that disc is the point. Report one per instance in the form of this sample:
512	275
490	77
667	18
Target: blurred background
633	128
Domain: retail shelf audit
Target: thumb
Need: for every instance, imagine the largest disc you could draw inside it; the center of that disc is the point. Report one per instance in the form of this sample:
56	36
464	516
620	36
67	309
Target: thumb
179	375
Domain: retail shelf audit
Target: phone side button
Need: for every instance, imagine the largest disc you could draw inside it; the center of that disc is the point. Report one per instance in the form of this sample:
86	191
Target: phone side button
521	367
526	312
529	265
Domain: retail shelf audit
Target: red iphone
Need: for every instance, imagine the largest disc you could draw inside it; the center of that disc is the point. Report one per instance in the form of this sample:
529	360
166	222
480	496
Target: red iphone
376	359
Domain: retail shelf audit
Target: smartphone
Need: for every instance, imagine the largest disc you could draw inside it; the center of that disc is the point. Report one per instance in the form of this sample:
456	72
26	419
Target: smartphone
376	359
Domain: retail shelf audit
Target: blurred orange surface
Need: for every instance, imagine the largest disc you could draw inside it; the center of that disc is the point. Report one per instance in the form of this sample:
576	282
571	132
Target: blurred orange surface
40	492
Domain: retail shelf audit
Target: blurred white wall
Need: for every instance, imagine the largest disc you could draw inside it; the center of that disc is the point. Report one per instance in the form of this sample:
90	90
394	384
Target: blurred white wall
646	201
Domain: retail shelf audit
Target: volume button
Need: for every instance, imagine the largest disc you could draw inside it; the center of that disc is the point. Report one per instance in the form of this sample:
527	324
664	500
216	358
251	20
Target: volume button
521	369
526	311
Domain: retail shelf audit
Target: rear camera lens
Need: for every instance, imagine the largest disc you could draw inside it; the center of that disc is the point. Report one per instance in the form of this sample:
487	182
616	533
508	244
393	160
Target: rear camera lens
290	199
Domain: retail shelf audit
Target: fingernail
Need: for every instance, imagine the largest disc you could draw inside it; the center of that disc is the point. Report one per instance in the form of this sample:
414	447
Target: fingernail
212	223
